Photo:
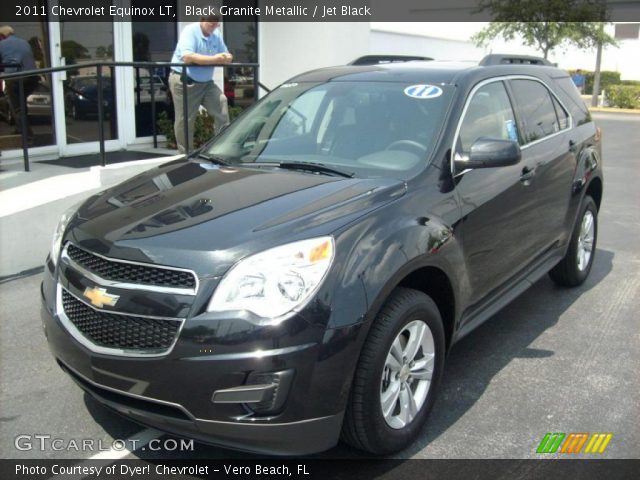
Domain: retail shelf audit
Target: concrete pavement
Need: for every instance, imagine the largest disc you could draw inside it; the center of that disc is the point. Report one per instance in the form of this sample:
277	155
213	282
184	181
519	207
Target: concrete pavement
32	202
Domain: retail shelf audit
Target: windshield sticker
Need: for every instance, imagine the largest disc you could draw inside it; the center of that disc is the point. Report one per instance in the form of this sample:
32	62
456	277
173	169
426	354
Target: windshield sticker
288	85
423	91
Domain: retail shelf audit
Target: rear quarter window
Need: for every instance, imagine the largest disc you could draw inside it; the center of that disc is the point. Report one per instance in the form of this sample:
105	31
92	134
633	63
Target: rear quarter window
571	98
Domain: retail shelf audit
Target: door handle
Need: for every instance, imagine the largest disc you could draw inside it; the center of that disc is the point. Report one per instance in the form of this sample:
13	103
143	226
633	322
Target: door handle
572	146
527	174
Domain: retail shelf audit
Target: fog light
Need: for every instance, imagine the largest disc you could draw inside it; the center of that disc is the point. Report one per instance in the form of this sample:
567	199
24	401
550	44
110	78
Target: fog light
274	400
264	393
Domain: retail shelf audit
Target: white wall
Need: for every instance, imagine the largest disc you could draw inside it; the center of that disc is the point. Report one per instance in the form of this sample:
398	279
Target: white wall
289	48
391	43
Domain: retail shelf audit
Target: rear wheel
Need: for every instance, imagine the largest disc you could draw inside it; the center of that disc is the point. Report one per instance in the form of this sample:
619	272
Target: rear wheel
399	368
574	268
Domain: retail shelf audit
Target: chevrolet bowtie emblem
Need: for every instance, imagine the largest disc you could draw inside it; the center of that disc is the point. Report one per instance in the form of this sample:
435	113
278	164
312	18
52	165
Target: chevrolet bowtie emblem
99	297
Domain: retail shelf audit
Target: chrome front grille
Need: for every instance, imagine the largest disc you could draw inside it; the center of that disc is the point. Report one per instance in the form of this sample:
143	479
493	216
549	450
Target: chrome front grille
134	331
131	272
117	331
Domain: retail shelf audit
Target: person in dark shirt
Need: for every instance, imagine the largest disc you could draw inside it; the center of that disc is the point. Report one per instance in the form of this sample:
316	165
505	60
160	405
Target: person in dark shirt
16	50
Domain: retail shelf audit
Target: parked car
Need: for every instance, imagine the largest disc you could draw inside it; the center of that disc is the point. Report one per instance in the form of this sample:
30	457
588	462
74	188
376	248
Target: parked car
143	91
81	96
301	278
38	104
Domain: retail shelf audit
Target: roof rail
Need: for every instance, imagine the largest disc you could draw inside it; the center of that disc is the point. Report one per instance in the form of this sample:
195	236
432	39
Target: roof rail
377	59
504	59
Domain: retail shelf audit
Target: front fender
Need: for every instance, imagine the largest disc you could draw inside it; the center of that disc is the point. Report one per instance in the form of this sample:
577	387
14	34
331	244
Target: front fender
395	242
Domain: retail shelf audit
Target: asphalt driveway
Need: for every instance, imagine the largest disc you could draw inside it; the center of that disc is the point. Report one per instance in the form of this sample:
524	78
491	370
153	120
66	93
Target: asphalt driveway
555	360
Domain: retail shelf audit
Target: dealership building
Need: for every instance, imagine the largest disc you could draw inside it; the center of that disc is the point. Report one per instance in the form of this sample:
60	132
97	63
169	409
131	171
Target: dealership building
66	124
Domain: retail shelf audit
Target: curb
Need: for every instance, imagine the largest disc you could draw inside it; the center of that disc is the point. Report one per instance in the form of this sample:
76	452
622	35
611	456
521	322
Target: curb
627	111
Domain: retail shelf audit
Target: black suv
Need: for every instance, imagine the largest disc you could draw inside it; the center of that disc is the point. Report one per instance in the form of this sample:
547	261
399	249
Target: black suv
302	277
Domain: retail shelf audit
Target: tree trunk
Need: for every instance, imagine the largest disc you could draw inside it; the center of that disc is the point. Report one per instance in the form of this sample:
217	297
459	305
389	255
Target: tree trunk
596	74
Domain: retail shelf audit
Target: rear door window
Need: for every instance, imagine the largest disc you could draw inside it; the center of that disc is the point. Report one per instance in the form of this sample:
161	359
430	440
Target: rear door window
536	107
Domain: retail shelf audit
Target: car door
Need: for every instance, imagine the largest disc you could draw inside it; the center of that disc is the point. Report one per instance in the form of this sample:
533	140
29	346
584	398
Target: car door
499	211
547	143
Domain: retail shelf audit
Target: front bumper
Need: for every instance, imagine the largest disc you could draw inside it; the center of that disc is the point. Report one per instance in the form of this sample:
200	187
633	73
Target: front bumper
174	392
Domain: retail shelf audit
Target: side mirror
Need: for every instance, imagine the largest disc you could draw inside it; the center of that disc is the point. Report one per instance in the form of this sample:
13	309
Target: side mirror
491	153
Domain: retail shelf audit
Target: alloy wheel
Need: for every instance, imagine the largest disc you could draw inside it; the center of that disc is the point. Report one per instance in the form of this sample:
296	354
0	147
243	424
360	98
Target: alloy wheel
407	374
585	240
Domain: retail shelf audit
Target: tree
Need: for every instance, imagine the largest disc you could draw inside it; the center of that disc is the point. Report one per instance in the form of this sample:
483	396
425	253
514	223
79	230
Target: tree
72	50
542	32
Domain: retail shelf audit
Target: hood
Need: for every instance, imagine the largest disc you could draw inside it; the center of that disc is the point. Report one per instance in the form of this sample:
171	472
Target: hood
188	213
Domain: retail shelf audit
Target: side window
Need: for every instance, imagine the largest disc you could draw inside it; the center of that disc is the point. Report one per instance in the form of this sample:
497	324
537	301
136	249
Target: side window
561	113
489	115
538	113
572	100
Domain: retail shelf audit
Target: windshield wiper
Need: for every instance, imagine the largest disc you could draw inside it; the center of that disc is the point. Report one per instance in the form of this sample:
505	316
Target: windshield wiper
314	167
213	159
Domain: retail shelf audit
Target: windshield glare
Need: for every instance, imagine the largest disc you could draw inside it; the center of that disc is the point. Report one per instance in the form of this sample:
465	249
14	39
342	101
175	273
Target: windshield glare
372	129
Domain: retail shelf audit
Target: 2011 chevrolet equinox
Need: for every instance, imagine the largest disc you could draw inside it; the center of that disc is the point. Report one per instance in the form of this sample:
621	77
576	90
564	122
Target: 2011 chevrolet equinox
301	277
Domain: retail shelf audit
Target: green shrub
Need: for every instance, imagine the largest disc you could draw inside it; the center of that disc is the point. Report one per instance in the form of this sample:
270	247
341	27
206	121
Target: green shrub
203	130
234	112
607	79
165	127
624	96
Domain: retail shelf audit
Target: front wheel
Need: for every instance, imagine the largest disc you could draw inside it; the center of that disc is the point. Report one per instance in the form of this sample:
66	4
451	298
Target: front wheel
574	268
399	369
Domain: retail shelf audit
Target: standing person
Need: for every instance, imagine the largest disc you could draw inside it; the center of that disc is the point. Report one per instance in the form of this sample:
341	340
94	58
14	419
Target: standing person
14	49
578	80
200	44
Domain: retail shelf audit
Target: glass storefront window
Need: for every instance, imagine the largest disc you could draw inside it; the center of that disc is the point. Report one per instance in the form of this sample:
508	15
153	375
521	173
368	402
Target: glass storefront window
39	101
152	42
241	38
83	43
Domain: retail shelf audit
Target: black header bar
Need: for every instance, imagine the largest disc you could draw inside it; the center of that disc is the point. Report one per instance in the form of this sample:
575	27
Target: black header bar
12	11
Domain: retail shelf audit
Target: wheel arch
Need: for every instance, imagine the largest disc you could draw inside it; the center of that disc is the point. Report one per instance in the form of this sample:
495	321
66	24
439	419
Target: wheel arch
435	283
594	190
428	279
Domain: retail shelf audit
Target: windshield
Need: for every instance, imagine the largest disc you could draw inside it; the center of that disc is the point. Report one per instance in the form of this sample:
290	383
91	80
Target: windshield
370	129
85	81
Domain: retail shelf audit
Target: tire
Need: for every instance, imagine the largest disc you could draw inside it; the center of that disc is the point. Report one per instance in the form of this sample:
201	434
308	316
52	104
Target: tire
574	268
405	314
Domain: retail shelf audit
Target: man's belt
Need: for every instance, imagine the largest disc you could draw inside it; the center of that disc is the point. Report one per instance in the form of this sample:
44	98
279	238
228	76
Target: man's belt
189	79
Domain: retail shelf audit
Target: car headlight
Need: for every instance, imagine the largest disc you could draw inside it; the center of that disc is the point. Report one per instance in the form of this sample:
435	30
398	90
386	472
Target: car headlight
59	232
272	283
